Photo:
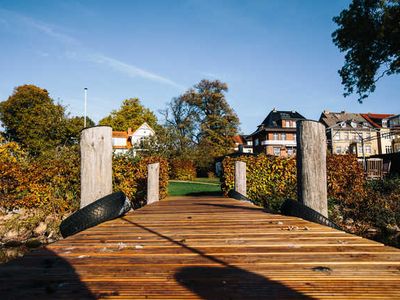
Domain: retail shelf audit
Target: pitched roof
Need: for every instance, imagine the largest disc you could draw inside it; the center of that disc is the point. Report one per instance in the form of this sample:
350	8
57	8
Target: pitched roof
376	119
276	115
238	139
119	134
332	118
143	126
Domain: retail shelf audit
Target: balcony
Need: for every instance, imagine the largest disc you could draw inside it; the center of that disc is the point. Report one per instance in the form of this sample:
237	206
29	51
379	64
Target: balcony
278	142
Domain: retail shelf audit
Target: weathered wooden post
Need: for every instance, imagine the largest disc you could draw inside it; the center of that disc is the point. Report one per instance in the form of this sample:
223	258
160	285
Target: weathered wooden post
153	185
96	163
240	178
311	166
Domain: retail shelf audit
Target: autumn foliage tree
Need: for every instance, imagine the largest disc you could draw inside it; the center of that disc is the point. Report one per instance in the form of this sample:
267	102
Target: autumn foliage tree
369	33
32	119
214	120
131	114
200	123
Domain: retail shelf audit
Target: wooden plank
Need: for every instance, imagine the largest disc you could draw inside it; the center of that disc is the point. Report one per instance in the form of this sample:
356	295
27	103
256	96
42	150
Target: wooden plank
206	248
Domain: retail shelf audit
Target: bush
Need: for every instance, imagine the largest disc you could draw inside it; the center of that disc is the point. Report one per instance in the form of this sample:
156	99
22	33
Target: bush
52	180
345	176
379	207
182	169
271	180
130	176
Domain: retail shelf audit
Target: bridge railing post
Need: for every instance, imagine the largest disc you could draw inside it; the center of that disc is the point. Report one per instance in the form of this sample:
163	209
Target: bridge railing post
153	183
311	165
240	178
96	163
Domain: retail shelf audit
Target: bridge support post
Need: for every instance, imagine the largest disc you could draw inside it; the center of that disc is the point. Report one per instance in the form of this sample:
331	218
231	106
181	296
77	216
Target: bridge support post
96	163
153	185
311	166
240	178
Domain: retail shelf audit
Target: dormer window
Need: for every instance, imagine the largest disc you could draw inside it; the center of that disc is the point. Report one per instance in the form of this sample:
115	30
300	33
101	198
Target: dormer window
384	123
353	124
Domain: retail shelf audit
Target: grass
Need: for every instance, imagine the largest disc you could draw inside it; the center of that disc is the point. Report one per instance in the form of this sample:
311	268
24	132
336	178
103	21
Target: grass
176	188
208	180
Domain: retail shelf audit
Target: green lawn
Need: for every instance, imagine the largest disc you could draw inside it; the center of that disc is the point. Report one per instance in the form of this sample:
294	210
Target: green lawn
176	188
207	180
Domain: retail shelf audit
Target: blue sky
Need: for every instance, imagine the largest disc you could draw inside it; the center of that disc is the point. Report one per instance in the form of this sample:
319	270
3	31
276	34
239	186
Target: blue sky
271	53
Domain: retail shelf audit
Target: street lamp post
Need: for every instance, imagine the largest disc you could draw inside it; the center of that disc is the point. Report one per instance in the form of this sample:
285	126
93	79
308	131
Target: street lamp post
84	120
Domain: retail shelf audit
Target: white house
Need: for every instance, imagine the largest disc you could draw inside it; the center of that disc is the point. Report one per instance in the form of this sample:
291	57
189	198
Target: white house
122	141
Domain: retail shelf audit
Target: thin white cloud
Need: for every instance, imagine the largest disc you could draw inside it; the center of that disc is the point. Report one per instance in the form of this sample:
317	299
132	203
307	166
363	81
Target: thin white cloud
79	51
48	30
130	70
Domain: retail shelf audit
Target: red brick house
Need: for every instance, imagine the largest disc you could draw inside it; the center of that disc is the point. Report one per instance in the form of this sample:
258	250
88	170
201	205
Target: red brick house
276	135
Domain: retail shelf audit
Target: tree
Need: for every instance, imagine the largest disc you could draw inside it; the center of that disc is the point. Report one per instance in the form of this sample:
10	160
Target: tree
130	115
180	127
32	119
200	124
73	127
215	122
369	33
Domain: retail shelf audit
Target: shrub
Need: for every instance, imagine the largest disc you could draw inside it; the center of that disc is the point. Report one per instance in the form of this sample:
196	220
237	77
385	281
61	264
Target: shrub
52	180
130	176
345	177
271	180
182	169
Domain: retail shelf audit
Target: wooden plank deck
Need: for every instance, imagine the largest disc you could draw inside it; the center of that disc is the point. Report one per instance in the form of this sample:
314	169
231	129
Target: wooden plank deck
206	248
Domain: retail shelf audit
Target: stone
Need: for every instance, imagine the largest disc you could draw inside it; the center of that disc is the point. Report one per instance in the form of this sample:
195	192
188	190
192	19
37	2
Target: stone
40	229
11	235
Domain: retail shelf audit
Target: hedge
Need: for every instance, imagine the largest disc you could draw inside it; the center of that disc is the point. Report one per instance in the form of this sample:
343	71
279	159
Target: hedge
130	176
182	169
53	179
271	180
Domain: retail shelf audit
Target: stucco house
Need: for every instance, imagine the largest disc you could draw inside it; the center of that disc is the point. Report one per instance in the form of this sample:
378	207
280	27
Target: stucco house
349	133
384	137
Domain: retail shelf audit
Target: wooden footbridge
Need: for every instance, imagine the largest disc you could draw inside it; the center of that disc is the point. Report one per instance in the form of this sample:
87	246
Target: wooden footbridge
206	248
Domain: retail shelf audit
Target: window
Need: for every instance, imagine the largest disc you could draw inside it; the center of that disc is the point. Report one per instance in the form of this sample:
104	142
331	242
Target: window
360	150
256	142
388	149
337	135
277	151
290	151
283	136
275	138
338	150
368	149
346	135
